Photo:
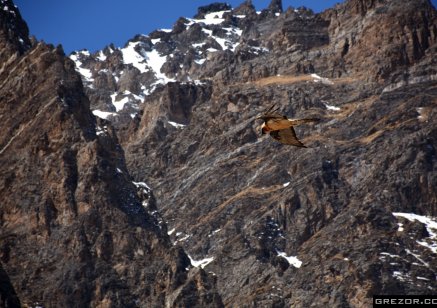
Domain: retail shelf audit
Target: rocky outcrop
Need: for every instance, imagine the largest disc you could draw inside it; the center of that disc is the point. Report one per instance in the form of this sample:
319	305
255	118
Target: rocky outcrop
8	297
371	40
75	230
275	6
288	227
14	33
227	217
382	35
247	202
211	8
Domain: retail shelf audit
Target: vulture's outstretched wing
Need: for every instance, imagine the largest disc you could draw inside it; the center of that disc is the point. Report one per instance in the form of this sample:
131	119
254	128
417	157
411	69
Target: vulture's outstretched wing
296	122
287	136
281	128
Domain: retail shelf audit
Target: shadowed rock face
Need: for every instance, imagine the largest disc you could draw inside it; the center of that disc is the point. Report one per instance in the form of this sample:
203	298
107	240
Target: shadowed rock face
272	225
247	201
75	230
242	200
14	34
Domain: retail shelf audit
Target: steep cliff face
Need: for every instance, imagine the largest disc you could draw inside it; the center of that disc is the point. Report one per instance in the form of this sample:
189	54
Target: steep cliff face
369	41
382	38
272	225
75	230
247	202
329	225
13	30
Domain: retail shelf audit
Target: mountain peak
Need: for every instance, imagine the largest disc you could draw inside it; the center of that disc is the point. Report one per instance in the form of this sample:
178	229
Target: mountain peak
137	176
211	8
275	6
14	33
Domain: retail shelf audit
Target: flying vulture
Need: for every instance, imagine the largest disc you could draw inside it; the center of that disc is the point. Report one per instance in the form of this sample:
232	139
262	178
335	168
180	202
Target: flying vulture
281	128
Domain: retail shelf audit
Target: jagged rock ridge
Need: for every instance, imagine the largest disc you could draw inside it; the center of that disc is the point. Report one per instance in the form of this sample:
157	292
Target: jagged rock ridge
350	217
76	231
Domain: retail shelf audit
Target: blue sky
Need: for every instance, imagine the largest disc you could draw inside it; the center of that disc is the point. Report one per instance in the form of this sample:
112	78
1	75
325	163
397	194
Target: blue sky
93	24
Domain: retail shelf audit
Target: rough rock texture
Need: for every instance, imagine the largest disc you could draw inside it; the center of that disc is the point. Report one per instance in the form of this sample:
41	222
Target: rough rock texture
75	230
8	297
14	34
247	202
271	225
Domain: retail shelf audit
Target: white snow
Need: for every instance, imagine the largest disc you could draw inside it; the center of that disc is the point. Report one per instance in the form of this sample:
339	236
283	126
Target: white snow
86	73
137	97
101	56
198	45
431	246
171	231
144	188
101	130
142	185
330	107
119	170
177	125
291	260
155	61
400	276
422	115
422	278
131	56
103	114
225	43
214	232
214	18
200	62
200	263
431	227
234	30
119	104
85	52
286	184
207	31
429	222
199	83
390	255
323	80
417	257
222	42
145	61
257	50
127	96
182	238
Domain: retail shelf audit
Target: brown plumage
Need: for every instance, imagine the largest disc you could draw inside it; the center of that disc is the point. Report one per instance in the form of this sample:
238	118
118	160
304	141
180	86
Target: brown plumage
281	128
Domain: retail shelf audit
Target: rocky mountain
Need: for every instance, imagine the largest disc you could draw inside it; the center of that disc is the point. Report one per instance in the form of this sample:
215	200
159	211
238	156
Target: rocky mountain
146	182
76	230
